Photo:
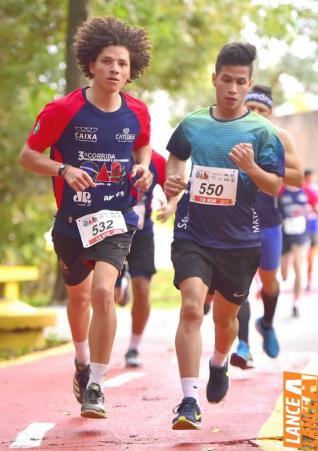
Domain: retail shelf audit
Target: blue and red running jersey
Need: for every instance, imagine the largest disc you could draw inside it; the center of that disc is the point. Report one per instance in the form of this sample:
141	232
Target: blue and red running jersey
100	143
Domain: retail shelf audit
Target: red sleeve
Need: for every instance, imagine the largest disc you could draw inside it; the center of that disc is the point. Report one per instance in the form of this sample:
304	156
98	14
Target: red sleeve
53	119
312	196
141	111
161	165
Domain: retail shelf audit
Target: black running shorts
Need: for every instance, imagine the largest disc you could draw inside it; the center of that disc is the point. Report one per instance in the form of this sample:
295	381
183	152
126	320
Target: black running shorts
77	262
230	271
141	258
290	240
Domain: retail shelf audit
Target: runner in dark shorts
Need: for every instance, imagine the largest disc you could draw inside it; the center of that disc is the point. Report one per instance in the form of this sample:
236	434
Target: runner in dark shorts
233	153
99	153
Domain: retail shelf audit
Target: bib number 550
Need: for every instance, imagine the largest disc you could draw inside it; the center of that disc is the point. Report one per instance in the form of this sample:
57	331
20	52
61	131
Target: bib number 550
210	189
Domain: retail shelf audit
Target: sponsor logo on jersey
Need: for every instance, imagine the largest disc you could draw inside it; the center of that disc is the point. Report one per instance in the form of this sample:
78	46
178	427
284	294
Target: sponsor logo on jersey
94	156
255	222
116	173
183	224
86	134
118	194
125	136
83	198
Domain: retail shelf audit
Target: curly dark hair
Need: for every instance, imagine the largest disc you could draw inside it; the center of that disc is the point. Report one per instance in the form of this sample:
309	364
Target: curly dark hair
100	32
236	54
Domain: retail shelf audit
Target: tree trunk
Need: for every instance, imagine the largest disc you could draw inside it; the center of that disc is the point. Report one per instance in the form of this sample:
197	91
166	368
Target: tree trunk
77	13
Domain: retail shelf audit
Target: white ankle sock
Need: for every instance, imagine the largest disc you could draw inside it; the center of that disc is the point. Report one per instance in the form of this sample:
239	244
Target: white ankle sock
134	341
218	359
98	373
82	352
190	387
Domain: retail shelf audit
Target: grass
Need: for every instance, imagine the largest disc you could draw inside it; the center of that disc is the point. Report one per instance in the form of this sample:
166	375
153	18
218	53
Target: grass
163	293
51	341
38	300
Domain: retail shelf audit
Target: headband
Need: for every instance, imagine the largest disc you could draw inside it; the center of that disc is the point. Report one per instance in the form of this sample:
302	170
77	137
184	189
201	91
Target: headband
259	97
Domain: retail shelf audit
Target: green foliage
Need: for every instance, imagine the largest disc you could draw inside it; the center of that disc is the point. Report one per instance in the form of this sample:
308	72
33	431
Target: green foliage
53	340
163	294
30	77
186	35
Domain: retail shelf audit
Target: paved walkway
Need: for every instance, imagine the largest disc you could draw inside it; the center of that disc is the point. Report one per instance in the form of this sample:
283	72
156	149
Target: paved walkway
40	410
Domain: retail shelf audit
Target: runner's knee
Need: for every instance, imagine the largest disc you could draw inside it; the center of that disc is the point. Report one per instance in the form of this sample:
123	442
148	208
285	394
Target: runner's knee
191	311
102	299
271	287
225	322
80	301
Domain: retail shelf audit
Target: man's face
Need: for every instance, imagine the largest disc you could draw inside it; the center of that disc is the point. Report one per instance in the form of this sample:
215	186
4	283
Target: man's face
259	108
111	70
232	84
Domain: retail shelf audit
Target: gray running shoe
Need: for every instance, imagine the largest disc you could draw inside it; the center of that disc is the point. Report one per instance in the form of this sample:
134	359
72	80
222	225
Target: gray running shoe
80	380
132	359
93	403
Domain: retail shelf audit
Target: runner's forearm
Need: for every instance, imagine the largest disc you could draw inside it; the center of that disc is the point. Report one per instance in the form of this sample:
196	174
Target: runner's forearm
143	155
38	163
267	182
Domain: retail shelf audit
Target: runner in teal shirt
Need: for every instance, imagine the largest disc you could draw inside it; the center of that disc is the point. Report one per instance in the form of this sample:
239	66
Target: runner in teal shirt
234	153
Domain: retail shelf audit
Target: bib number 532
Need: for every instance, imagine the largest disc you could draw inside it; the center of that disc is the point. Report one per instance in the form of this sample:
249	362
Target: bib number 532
97	226
102	226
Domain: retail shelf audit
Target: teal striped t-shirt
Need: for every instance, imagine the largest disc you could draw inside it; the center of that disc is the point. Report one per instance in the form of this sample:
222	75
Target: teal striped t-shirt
208	142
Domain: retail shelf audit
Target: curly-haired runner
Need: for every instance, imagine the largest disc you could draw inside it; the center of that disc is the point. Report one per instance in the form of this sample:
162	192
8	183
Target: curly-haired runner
99	140
100	32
